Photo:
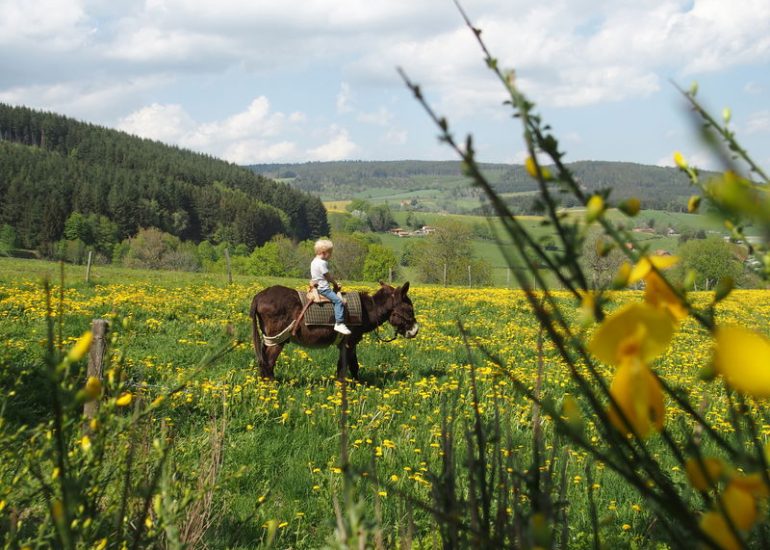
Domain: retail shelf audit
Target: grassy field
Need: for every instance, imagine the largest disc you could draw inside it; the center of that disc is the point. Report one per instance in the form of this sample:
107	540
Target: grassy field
281	468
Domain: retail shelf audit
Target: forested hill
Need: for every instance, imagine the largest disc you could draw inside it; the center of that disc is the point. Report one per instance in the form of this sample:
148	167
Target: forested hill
660	188
52	166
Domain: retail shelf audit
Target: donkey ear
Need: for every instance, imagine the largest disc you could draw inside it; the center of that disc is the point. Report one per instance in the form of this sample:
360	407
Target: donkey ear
405	288
382	283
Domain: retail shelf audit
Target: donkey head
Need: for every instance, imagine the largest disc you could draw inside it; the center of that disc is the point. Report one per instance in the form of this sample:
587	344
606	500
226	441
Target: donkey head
402	312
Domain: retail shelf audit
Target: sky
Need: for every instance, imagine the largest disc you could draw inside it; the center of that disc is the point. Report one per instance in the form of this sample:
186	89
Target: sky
274	81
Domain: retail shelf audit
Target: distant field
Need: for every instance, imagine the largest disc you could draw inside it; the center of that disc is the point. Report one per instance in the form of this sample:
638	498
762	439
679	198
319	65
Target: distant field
489	250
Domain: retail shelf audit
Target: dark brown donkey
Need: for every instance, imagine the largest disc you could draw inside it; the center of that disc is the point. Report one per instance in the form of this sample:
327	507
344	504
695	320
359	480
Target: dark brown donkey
274	308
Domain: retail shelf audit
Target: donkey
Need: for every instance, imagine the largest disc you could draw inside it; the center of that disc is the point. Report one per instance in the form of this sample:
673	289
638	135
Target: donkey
275	308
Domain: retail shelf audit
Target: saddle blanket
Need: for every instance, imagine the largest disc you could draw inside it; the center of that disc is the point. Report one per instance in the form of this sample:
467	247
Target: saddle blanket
323	313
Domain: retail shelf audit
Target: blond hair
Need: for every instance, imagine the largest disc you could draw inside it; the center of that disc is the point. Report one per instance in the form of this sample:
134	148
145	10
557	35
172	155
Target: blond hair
322	245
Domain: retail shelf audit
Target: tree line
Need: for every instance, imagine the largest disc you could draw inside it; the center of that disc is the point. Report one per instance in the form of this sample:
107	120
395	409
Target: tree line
663	188
53	167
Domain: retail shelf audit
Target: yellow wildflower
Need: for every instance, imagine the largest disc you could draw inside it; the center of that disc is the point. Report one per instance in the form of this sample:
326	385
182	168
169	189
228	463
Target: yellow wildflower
570	410
85	443
703	477
715	526
658	294
630	206
93	388
680	161
637	330
644	266
535	170
594	208
742	356
124	400
740	506
80	348
754	484
639	395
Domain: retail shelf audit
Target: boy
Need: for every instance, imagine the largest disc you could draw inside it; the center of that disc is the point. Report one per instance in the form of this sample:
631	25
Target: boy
320	276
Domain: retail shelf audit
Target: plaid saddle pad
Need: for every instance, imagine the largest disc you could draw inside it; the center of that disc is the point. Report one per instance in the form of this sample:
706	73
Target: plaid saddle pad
323	313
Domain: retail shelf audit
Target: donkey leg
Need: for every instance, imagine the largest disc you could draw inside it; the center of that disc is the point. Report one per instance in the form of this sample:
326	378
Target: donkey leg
343	362
267	368
353	363
347	364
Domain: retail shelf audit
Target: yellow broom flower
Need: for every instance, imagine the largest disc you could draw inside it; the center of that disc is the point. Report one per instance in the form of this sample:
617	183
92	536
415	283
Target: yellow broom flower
680	161
124	400
703	477
658	294
639	395
644	266
754	484
742	356
715	526
80	348
636	330
740	506
93	388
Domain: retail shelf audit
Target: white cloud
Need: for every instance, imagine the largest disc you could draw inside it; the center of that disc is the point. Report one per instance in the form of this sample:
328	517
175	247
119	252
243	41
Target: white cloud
44	24
166	123
106	60
258	151
380	117
89	100
753	88
339	147
758	123
343	98
251	136
395	137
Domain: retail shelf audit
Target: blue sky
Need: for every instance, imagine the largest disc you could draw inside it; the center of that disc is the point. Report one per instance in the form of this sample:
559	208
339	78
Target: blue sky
256	81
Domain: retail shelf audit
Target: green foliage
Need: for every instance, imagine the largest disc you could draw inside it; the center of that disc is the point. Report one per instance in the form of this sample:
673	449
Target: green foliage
446	255
380	264
711	260
154	249
380	218
8	239
278	258
601	259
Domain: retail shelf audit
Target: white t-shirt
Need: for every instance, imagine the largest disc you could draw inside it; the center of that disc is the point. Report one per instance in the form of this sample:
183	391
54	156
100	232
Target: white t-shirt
318	268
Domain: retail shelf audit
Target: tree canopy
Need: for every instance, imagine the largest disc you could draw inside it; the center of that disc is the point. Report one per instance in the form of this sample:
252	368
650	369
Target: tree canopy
52	167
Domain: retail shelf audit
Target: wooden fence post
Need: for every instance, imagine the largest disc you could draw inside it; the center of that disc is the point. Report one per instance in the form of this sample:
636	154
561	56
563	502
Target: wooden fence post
88	267
229	270
470	281
99	329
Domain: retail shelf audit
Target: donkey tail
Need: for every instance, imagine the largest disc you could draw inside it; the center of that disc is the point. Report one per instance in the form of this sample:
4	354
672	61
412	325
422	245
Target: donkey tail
256	335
